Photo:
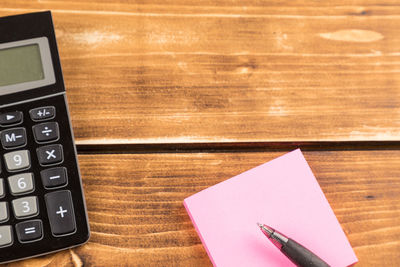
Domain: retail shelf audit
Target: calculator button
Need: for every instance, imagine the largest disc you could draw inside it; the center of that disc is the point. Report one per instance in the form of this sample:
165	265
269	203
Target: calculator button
2	193
25	207
3	212
54	177
6	237
60	212
21	183
51	154
29	231
10	118
17	160
46	132
13	138
42	113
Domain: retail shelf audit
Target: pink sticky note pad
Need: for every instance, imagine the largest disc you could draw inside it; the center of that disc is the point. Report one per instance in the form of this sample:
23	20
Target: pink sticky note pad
282	193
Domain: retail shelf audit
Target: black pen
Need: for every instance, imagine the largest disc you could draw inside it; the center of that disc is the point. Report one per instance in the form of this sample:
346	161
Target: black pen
298	254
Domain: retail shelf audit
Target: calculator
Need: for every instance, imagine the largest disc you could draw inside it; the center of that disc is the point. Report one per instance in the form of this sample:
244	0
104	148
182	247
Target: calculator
42	206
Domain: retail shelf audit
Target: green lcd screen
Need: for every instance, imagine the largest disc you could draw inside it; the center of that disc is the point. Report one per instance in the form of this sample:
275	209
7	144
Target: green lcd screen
20	64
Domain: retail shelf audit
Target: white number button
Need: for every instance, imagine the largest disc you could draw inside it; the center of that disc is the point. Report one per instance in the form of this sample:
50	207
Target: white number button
25	207
6	237
3	211
17	160
21	183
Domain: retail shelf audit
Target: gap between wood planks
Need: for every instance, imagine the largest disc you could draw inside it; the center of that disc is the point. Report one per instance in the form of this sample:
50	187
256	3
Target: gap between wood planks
223	147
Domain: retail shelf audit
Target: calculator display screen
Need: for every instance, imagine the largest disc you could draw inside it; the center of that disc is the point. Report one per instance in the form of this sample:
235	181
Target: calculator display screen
25	65
20	64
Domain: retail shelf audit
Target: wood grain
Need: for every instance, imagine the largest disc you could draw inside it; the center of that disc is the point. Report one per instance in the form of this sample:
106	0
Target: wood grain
184	72
137	217
198	71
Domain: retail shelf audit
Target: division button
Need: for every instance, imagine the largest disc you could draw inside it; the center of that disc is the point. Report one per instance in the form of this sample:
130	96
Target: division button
21	183
10	118
6	237
17	160
60	212
25	207
29	231
42	113
46	132
49	155
3	212
54	177
12	138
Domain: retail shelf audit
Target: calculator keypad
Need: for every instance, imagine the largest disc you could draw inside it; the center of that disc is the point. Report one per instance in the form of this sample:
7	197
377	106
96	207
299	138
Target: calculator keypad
59	203
41	201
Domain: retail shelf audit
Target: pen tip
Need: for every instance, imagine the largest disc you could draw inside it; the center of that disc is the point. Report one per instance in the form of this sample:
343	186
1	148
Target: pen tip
266	229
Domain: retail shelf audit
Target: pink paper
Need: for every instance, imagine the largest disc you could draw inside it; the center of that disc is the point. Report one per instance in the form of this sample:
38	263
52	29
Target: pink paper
283	194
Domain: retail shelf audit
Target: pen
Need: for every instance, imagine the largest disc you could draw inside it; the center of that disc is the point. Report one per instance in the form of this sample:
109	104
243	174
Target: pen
298	254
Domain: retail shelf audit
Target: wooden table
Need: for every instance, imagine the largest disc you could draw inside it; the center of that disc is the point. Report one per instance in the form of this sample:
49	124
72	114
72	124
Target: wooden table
169	97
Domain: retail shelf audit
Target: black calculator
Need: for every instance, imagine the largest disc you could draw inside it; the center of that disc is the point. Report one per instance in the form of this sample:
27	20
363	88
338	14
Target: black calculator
42	206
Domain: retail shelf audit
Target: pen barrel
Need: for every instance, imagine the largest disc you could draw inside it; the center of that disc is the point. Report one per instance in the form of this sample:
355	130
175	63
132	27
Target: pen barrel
301	256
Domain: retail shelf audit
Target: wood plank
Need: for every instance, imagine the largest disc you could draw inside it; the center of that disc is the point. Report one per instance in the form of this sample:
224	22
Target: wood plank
206	7
137	217
147	77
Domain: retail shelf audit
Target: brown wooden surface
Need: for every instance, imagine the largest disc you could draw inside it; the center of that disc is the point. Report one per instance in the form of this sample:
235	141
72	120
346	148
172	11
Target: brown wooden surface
137	217
145	75
199	71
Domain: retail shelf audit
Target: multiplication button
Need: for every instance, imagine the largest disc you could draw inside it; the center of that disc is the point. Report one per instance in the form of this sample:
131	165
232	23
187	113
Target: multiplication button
29	231
49	155
61	212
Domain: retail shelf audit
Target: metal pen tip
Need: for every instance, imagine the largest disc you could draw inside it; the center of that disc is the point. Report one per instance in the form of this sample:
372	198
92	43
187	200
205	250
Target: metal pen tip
265	228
